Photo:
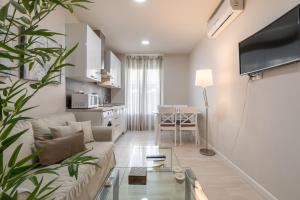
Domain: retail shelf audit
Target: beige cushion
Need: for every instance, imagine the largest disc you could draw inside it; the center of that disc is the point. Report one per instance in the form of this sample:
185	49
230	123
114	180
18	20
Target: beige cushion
59	149
90	178
87	130
100	150
63	131
41	126
41	130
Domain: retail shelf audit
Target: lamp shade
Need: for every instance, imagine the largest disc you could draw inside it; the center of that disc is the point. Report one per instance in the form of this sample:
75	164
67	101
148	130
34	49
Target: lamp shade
204	78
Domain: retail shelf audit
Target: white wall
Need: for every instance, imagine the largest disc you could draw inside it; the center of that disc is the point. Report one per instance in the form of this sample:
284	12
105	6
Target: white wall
175	79
263	140
52	98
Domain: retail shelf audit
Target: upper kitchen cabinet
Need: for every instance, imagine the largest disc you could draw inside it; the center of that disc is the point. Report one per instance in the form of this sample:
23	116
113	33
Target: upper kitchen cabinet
113	71
87	56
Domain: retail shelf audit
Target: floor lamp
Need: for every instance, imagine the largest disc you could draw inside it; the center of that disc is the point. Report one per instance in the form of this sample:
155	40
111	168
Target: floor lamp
204	79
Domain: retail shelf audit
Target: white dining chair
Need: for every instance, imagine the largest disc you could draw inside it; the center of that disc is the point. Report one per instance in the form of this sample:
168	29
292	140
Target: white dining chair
188	122
167	121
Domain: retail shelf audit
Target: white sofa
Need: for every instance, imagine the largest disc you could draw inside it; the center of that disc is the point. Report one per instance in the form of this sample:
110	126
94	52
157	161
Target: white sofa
90	179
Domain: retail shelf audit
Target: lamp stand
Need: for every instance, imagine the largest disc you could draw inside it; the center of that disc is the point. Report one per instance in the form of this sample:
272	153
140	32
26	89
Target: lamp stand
206	151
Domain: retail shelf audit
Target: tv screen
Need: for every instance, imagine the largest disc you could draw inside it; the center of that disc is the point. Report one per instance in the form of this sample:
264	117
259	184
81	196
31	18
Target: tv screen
277	44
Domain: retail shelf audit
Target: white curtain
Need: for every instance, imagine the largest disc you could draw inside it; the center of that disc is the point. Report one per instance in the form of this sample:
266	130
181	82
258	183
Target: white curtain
143	83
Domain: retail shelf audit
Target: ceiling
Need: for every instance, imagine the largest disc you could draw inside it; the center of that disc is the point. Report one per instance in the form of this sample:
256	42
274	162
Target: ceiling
172	26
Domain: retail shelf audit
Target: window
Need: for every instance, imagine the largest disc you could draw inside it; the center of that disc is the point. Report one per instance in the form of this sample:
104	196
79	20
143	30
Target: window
143	91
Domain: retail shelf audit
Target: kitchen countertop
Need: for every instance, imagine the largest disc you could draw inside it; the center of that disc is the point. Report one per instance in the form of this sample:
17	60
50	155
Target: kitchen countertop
99	109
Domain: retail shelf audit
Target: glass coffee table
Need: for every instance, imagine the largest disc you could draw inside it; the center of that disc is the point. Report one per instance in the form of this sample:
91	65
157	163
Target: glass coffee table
140	153
161	183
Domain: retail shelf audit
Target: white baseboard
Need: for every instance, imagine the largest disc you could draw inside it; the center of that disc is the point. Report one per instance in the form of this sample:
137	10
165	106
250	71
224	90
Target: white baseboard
259	188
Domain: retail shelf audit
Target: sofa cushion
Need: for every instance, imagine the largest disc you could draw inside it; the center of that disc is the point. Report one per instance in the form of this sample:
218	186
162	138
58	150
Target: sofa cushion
100	149
63	131
70	188
87	130
59	149
41	126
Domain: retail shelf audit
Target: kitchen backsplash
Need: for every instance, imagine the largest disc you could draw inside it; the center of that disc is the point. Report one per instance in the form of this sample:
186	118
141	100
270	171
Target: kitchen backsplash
73	86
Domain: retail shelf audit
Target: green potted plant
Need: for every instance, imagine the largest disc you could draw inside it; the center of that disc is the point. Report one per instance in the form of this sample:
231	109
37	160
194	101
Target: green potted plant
21	18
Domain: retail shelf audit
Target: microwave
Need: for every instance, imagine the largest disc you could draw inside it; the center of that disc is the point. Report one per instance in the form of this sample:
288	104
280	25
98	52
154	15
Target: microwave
85	100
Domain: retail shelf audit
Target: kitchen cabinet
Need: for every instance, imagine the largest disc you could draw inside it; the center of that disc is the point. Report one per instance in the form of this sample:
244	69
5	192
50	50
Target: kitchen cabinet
113	66
102	116
119	120
123	113
87	56
116	121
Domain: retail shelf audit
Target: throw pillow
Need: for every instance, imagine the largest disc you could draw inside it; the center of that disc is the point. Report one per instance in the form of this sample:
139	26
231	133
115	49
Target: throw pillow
41	130
63	131
59	149
87	130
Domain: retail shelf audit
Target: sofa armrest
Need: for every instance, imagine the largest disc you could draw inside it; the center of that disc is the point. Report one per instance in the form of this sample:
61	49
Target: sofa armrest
102	134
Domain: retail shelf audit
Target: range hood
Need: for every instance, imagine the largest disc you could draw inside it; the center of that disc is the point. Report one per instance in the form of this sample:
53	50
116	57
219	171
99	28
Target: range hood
102	37
106	76
105	71
106	79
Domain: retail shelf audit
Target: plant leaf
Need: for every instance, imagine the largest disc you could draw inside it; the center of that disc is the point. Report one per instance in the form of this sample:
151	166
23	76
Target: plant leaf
27	5
19	170
14	156
25	20
34	180
35	191
27	158
4	12
68	53
18	7
14	95
10	140
4	196
1	164
7	131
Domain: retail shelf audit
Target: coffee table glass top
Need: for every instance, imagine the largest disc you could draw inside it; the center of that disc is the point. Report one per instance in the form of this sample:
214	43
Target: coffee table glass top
160	185
140	153
161	182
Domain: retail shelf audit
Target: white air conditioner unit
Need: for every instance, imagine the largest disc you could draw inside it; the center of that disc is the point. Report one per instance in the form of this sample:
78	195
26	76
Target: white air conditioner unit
227	11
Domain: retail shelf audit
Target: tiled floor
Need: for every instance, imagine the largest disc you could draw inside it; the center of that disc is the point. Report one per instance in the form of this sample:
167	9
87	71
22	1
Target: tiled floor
219	181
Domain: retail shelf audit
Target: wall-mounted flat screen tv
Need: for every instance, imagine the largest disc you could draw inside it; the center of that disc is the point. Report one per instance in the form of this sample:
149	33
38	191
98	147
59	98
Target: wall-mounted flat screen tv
275	45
